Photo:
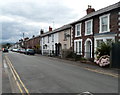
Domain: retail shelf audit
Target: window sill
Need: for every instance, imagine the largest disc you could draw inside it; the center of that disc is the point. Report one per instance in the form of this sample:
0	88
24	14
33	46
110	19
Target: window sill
88	34
103	31
65	40
78	36
79	53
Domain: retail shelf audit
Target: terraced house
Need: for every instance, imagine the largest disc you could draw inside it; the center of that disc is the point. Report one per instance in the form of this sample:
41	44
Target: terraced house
34	43
54	41
49	41
94	28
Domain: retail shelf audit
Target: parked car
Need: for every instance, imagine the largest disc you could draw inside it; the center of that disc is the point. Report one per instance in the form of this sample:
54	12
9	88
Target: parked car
19	50
23	51
5	50
15	50
30	52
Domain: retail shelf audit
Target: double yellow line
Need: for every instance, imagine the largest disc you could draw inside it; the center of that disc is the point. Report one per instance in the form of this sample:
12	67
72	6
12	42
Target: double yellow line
17	78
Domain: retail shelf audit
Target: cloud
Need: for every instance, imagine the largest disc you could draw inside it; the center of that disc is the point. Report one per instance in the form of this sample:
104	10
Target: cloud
30	16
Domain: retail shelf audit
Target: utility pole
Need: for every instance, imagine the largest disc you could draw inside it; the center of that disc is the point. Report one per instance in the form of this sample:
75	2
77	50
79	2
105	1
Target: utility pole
23	40
23	36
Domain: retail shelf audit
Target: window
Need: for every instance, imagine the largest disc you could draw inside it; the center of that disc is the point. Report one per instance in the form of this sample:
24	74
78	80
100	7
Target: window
65	46
77	30
43	40
65	35
104	23
99	42
109	41
44	47
119	13
52	47
78	47
48	38
52	37
88	27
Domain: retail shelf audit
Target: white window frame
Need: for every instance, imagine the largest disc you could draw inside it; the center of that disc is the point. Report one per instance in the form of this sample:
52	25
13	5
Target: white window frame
119	23
65	46
100	26
80	40
104	40
53	38
76	30
118	18
91	20
43	40
118	13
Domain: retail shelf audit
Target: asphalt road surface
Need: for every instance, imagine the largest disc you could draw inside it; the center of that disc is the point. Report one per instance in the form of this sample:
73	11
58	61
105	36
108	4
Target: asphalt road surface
42	74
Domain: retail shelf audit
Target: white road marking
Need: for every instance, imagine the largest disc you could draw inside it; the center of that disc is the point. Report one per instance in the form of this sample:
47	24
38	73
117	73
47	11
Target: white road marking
5	65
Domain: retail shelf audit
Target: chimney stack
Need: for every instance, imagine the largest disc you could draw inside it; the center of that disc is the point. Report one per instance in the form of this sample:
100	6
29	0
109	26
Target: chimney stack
90	10
50	28
41	31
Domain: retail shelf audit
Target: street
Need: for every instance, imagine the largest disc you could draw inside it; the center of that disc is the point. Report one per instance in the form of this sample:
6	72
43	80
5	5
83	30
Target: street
42	74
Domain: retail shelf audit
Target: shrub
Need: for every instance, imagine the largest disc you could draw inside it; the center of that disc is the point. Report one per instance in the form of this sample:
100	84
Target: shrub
103	54
104	49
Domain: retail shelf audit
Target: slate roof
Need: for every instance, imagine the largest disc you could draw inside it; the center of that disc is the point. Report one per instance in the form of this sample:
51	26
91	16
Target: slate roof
33	38
103	10
56	30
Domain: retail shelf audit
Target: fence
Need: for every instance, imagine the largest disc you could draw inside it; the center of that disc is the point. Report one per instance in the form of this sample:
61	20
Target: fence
49	52
67	53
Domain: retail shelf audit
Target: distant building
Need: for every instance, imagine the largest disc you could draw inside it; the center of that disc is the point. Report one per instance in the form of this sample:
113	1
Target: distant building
33	43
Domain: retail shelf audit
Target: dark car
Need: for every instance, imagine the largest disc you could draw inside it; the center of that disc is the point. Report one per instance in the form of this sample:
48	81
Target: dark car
5	50
30	52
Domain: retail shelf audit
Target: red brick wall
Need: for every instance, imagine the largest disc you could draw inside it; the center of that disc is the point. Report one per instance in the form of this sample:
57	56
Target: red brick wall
33	42
113	28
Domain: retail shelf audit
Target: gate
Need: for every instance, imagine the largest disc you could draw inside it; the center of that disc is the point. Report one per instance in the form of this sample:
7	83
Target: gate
115	55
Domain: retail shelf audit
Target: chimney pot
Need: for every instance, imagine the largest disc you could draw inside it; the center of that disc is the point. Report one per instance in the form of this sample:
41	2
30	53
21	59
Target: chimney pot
90	10
41	31
50	28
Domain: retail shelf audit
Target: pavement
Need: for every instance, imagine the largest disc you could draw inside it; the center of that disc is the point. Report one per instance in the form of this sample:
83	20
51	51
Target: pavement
5	82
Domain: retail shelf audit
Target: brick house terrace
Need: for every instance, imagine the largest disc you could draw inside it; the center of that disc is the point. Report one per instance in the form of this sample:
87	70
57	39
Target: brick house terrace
94	28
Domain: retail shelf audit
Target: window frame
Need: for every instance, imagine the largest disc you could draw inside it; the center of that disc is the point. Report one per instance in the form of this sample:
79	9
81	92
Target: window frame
79	30
65	46
100	23
91	20
65	35
77	49
52	37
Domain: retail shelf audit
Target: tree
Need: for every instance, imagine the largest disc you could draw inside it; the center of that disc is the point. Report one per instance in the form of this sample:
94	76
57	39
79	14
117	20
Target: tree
7	45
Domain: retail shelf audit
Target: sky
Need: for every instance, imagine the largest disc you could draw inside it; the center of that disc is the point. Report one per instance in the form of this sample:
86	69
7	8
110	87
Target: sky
30	16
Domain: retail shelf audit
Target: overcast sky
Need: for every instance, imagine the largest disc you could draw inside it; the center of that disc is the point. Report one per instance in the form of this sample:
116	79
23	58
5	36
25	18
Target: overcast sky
29	16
